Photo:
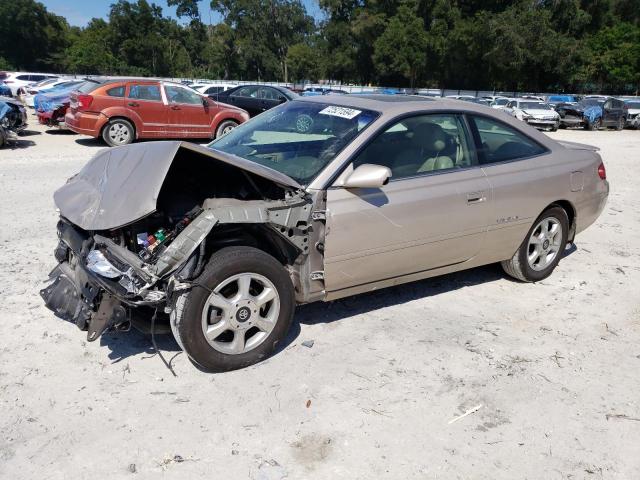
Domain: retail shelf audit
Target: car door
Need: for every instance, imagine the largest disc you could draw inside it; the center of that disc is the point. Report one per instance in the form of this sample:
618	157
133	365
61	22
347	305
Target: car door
147	109
520	173
269	97
188	116
243	97
433	213
608	113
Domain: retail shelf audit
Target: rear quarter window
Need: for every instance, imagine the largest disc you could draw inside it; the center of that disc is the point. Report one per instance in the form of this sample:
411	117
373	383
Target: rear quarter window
116	91
502	143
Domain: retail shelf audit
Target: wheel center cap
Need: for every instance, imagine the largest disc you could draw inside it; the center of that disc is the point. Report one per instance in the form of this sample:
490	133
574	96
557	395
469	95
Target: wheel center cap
243	314
545	245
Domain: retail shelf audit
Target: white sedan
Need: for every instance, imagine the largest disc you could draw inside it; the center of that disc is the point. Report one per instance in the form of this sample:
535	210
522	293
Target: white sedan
535	113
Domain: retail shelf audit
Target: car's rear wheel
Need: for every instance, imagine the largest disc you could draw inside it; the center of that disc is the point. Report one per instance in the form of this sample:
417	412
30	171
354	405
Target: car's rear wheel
620	124
118	132
542	248
225	127
239	311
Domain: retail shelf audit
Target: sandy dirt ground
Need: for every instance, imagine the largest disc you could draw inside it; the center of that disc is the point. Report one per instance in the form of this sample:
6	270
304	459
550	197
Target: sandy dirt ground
554	366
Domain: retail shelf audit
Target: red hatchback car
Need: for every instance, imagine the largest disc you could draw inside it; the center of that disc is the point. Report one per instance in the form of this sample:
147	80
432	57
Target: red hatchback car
121	111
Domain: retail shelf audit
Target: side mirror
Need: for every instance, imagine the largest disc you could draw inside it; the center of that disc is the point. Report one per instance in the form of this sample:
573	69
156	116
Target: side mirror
368	176
205	102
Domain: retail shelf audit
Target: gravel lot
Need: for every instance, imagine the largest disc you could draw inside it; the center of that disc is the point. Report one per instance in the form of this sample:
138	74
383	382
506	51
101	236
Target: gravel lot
555	366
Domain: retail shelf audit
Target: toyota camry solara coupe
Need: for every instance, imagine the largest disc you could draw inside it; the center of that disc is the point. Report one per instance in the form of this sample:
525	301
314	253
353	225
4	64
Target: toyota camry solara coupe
316	199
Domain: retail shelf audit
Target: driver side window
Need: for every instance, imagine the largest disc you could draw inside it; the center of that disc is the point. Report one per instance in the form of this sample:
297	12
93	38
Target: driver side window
421	145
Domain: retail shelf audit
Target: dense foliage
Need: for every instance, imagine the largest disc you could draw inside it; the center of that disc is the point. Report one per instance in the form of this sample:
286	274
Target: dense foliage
535	45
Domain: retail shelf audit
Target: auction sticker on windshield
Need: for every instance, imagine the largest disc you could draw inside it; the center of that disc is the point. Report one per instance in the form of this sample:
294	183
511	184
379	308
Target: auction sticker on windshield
341	112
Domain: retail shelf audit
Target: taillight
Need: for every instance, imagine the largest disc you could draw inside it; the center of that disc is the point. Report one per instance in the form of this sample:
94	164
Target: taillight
602	172
84	101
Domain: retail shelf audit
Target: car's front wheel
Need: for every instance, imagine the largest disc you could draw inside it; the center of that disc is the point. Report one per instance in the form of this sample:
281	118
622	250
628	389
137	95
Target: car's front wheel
238	313
542	248
118	132
595	125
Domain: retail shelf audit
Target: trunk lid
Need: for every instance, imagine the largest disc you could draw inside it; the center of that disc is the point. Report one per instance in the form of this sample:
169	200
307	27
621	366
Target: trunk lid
578	146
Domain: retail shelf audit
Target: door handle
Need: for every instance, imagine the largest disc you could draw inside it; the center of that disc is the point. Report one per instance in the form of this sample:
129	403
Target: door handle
175	107
475	197
133	104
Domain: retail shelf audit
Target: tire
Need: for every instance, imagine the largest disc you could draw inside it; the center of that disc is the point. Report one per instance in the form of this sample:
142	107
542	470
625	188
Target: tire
549	248
595	125
554	129
243	331
118	132
620	125
225	127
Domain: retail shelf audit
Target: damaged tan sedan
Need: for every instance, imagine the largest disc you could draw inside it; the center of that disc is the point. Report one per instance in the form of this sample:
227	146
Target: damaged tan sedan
314	200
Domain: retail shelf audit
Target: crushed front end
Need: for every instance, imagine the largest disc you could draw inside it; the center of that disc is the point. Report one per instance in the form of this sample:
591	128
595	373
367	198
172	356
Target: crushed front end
138	223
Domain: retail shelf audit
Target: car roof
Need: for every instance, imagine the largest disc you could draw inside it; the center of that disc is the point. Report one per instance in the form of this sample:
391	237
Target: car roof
394	104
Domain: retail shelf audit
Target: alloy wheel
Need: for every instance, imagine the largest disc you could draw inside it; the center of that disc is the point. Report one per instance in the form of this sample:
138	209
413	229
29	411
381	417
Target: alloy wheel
240	313
119	133
544	244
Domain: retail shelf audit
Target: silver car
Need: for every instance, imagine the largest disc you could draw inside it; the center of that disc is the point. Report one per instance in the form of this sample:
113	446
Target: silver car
314	200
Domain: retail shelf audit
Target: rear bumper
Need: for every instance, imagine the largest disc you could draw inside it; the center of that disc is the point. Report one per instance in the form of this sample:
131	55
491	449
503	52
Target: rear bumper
589	210
86	123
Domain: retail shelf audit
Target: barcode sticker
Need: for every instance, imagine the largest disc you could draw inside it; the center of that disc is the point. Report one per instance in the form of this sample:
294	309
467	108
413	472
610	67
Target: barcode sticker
341	112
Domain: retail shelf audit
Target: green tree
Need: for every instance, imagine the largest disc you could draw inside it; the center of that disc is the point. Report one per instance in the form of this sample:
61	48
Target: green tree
32	37
400	50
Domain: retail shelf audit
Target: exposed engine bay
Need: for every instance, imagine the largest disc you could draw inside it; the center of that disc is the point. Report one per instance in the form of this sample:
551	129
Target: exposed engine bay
138	224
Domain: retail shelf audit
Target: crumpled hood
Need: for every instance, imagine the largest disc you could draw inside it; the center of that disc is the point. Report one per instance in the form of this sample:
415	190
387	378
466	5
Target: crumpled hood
121	185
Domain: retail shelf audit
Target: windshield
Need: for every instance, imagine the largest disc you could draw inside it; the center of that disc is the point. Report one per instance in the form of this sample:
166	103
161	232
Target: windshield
534	106
590	102
297	138
501	101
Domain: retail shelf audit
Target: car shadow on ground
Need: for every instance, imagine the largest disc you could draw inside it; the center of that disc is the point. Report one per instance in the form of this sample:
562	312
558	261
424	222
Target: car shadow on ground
126	344
123	345
18	144
29	133
59	131
328	312
91	142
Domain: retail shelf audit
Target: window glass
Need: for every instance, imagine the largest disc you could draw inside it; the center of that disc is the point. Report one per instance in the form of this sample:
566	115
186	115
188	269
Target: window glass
298	139
246	92
421	145
501	142
176	94
267	93
116	91
23	77
145	92
88	86
213	90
